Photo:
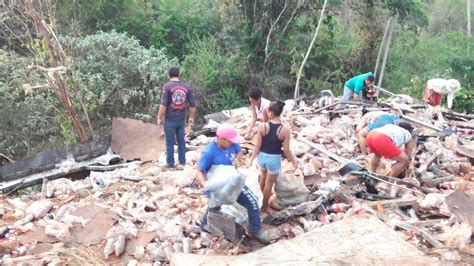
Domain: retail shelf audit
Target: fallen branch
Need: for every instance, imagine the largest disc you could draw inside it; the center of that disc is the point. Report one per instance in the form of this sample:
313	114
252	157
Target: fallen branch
6	157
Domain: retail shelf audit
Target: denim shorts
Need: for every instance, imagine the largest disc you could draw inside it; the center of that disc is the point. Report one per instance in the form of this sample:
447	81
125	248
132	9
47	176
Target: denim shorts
269	162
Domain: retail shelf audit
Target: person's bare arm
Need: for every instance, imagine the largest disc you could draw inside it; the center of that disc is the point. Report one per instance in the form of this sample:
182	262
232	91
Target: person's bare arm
237	158
286	148
258	145
201	177
410	147
361	124
253	121
161	114
265	116
192	115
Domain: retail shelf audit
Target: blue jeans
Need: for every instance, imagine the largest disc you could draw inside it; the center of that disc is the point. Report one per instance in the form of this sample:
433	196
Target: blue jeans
347	95
172	130
249	201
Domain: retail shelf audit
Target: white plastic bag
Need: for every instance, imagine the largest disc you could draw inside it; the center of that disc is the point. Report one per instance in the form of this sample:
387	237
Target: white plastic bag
225	184
251	182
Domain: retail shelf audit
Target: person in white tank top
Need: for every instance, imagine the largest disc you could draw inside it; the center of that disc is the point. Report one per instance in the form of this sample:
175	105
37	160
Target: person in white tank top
259	106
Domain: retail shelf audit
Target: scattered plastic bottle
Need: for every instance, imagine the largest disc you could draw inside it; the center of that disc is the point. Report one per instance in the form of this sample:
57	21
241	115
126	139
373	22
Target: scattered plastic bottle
448	185
186	245
98	182
326	219
338	207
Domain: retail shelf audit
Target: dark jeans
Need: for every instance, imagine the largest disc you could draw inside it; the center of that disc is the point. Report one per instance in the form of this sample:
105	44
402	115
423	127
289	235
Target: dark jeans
172	130
249	201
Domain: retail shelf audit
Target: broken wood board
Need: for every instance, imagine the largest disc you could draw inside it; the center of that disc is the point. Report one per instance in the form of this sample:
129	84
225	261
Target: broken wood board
142	239
462	205
36	235
463	147
361	239
94	231
397	202
134	139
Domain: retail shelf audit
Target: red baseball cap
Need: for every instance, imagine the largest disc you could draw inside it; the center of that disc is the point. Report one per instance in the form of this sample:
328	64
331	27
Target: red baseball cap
228	132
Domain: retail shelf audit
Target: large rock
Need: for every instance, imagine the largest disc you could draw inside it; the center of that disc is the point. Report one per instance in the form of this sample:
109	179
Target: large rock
361	239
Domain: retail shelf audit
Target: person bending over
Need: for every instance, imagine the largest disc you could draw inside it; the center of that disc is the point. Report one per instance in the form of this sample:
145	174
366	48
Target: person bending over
387	141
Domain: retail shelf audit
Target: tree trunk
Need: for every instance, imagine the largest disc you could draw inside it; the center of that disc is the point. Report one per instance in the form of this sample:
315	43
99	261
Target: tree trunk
297	87
56	80
385	56
468	11
381	46
468	18
270	31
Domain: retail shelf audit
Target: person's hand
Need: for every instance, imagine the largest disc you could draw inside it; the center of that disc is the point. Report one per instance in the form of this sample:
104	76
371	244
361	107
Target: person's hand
206	192
159	121
191	121
296	166
248	136
237	163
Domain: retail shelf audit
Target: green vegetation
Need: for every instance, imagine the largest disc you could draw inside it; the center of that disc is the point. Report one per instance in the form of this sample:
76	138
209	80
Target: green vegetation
117	53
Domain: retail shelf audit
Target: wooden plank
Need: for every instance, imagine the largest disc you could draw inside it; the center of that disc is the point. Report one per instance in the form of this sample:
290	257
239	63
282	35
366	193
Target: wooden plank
461	124
461	205
134	139
454	114
428	222
388	203
423	233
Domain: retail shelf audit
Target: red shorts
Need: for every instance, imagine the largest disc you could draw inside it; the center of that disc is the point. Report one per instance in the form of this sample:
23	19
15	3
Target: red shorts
381	144
431	97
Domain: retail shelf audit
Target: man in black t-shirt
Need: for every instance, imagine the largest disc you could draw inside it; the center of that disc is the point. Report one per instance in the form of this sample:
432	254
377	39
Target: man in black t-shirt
175	96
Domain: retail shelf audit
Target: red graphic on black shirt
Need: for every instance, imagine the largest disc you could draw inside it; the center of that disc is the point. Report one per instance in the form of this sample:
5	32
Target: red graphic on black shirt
178	97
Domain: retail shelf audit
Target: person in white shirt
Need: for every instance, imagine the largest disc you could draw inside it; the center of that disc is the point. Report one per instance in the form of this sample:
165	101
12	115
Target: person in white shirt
366	119
387	141
259	106
436	88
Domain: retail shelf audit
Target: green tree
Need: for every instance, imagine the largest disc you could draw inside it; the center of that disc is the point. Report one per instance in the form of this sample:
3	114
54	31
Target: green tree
116	76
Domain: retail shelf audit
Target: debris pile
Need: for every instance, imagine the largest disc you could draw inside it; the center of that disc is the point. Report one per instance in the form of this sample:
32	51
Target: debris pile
137	213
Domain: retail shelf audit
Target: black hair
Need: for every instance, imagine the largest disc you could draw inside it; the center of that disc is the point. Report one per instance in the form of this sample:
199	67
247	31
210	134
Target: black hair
276	107
406	126
173	72
370	78
364	110
255	93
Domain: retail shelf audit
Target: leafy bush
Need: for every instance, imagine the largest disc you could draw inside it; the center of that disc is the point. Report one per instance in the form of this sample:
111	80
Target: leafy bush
211	70
26	124
226	99
413	62
116	76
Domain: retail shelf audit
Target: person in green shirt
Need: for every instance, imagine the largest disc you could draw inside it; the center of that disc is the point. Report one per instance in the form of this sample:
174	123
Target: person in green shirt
354	87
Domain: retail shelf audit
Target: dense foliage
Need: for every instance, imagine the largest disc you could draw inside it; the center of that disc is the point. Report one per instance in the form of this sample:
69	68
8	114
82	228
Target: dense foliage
118	53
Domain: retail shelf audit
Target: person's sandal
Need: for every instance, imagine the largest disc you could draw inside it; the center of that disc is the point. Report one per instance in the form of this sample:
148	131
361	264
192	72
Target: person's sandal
179	167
